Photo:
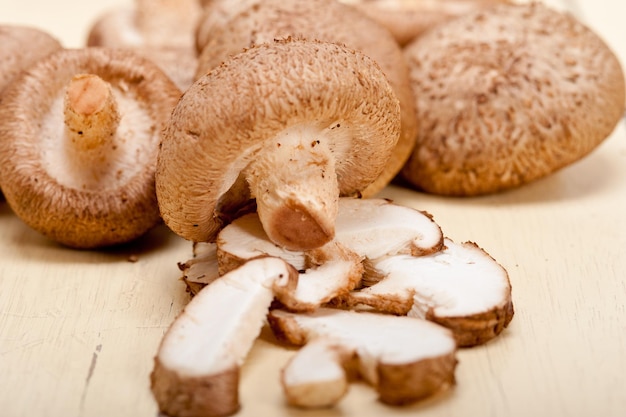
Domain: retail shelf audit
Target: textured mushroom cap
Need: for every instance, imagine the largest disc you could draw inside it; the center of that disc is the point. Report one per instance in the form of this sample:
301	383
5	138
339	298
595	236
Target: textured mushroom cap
506	96
325	20
229	115
36	177
408	19
22	47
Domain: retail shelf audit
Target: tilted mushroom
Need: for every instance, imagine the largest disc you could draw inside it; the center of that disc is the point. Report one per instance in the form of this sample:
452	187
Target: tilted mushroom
161	30
196	369
460	287
406	359
80	139
252	22
297	123
408	19
503	101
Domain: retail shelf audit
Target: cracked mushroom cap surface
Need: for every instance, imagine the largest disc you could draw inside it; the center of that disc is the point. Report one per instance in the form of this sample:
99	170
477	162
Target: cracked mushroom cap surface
81	131
293	124
253	22
408	19
503	100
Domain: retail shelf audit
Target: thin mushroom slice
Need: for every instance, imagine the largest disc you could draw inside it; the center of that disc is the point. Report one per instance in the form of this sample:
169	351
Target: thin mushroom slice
202	269
303	121
196	369
406	359
324	273
461	288
81	130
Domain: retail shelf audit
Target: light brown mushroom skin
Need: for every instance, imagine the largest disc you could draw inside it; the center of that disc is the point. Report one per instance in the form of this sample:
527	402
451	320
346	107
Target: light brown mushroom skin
529	101
253	22
214	396
73	216
407	20
236	112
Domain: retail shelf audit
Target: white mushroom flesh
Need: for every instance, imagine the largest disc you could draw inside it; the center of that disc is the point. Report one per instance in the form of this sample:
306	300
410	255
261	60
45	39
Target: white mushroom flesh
134	140
460	281
374	228
219	325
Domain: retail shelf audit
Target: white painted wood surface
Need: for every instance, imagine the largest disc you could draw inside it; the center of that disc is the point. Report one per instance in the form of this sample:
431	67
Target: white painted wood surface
79	329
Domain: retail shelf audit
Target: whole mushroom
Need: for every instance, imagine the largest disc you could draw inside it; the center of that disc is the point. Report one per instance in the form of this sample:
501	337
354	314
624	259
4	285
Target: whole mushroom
80	139
235	25
503	101
293	124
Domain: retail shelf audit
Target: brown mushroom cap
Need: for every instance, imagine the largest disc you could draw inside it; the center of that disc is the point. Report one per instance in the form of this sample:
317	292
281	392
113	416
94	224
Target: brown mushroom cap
253	22
509	95
160	30
298	96
408	19
91	186
22	47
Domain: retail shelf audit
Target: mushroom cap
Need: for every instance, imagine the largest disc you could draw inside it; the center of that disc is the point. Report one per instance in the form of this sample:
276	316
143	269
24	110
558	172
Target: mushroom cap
22	46
39	184
506	96
324	20
230	114
406	20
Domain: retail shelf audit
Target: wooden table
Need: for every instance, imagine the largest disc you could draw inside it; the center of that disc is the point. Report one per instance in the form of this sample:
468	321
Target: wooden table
79	329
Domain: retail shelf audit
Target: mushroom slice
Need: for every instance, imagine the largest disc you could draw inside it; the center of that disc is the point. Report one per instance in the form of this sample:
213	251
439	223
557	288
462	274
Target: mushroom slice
461	287
81	130
196	369
406	359
202	269
304	121
325	273
503	102
408	19
254	22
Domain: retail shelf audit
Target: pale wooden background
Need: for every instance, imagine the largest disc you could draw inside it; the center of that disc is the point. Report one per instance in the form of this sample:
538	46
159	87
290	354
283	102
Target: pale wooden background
78	330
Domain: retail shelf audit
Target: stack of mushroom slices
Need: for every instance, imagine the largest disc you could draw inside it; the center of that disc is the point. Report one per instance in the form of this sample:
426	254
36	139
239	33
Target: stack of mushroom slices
389	300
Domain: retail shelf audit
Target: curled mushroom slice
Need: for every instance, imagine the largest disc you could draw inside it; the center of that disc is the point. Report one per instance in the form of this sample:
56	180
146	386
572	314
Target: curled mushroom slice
503	102
406	359
196	369
408	19
80	141
325	273
461	287
303	121
202	269
253	22
160	30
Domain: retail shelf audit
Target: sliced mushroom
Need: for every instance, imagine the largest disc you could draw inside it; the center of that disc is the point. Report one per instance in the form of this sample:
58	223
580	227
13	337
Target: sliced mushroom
253	22
406	359
161	30
503	101
461	287
80	139
304	121
196	369
409	19
202	269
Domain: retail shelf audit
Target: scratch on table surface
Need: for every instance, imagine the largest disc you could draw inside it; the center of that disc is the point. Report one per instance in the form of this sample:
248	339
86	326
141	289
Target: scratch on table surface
92	367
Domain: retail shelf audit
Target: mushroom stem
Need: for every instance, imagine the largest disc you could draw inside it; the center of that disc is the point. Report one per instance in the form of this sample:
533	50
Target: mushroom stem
91	123
296	189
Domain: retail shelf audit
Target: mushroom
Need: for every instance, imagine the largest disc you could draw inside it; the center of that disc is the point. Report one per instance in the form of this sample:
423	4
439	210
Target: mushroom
161	30
196	369
503	101
252	22
297	123
80	138
408	19
202	269
406	359
460	287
